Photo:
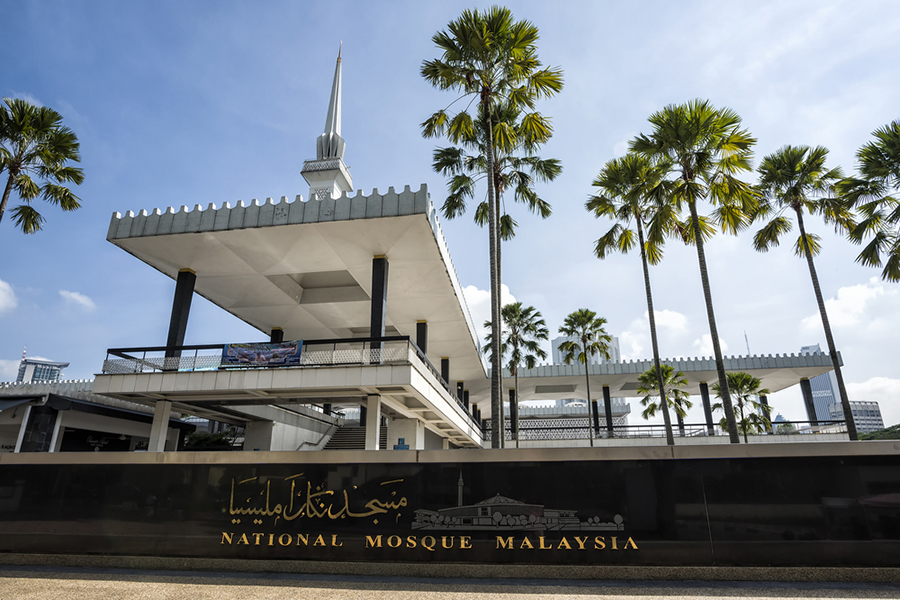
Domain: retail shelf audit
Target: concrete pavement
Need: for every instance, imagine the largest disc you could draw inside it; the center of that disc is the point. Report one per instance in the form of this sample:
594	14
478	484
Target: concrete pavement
69	583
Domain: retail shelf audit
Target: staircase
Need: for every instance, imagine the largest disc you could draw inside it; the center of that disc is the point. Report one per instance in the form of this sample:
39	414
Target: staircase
354	438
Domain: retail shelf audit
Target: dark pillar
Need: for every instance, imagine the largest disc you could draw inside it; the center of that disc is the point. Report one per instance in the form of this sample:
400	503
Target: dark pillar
181	308
707	408
459	390
326	408
607	406
379	298
465	398
277	335
422	336
445	369
363	413
514	414
764	400
680	424
806	388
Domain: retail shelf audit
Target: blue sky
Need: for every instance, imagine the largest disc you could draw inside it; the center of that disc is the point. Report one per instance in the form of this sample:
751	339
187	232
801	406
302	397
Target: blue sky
197	102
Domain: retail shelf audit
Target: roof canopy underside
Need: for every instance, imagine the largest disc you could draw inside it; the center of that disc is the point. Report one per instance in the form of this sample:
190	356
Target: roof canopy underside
567	381
306	267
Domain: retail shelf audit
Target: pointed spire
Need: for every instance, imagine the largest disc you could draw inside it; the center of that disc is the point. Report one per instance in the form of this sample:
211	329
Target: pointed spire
330	144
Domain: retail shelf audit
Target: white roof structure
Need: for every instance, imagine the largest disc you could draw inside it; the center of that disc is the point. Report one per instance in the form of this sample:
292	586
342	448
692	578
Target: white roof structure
307	266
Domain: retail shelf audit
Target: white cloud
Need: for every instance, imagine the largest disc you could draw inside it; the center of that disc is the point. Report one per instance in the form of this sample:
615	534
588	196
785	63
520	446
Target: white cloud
479	302
78	299
27	98
704	346
883	390
669	319
8	299
621	148
9	369
848	309
635	343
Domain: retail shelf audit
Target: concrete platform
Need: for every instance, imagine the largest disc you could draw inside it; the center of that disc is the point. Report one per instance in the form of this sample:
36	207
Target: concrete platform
44	583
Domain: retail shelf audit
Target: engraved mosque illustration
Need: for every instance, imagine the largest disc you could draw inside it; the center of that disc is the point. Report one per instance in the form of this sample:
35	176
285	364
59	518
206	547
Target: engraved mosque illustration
502	513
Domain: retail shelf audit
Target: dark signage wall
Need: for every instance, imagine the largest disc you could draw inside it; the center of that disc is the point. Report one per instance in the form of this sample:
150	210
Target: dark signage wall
817	511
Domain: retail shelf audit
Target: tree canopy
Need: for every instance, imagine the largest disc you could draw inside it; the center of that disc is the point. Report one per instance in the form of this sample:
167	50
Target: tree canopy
35	152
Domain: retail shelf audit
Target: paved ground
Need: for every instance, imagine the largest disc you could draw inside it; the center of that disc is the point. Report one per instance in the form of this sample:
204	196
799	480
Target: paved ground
58	583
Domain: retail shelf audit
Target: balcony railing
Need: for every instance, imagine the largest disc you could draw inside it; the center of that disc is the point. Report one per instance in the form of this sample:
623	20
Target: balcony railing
315	353
580	429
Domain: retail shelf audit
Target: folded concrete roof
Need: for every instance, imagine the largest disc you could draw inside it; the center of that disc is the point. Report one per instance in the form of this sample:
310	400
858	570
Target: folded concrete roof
307	266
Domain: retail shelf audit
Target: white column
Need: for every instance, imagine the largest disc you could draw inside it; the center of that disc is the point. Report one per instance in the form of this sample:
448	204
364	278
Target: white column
412	431
172	439
57	429
373	422
22	428
160	426
445	443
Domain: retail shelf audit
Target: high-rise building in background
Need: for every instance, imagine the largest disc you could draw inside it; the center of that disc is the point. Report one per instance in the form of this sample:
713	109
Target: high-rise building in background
36	369
827	402
866	415
614	354
824	388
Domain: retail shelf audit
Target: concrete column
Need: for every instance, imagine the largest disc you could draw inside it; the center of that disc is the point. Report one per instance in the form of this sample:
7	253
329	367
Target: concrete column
22	428
277	335
379	298
258	436
373	422
806	388
707	408
465	398
422	336
181	309
412	431
445	443
160	427
459	390
764	400
172	439
56	438
607	406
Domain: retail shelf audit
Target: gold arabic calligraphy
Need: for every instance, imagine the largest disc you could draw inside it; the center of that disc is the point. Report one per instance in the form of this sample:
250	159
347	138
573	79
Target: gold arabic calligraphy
317	502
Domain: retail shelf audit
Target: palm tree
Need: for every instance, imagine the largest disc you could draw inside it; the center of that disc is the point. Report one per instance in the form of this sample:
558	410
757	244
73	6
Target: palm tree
515	168
523	330
795	177
671	382
489	57
34	144
706	150
745	389
590	338
624	188
874	193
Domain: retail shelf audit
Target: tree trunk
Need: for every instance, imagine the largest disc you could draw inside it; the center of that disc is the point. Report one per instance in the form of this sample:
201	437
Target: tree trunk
594	420
845	400
500	301
516	400
713	331
497	428
6	192
670	438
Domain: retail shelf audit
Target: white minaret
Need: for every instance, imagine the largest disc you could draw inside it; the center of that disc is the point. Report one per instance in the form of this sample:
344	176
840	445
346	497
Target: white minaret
327	175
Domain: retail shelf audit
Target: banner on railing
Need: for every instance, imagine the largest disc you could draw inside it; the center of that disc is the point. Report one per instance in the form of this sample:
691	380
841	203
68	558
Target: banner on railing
263	355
